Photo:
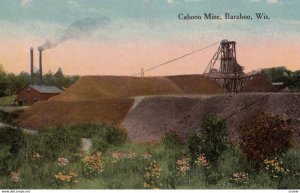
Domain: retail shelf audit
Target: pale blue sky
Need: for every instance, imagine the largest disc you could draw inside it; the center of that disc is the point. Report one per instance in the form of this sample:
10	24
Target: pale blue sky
148	18
121	36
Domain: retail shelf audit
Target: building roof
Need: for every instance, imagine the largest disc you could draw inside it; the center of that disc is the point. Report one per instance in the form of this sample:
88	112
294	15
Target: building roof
46	89
277	83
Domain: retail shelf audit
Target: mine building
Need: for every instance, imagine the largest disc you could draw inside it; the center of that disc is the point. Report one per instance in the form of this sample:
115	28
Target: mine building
33	93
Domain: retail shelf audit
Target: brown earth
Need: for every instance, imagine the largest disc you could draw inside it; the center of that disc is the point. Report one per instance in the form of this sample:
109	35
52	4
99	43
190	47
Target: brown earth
154	116
106	98
50	113
259	83
148	107
195	84
95	87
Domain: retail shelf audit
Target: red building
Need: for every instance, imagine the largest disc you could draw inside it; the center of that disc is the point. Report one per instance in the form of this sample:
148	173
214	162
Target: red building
33	93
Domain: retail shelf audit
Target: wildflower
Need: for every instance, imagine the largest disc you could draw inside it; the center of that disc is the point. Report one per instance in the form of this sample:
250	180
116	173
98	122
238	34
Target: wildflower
117	156
62	161
239	178
36	156
202	161
183	165
93	164
147	155
152	175
15	176
131	155
275	167
66	177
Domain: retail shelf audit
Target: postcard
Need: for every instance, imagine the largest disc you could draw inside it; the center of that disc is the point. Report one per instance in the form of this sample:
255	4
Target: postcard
149	94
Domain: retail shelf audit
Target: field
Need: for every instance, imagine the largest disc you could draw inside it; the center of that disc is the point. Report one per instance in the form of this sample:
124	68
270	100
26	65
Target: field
53	159
7	100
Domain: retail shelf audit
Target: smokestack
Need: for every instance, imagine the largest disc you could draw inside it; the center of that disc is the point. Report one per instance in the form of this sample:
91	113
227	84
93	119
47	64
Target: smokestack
41	65
31	65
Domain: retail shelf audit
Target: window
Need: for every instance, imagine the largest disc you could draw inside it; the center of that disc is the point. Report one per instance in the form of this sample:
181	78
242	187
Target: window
28	90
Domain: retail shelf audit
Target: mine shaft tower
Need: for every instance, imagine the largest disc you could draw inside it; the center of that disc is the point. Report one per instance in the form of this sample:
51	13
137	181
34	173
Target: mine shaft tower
227	73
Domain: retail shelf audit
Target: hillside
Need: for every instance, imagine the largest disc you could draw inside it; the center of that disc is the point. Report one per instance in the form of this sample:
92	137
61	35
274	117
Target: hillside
153	116
95	87
149	107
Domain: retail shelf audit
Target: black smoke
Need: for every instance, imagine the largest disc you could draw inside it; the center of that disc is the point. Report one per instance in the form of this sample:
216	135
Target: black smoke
77	29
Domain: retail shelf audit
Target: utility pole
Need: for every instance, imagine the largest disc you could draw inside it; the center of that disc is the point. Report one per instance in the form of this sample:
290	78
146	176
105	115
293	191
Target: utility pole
142	72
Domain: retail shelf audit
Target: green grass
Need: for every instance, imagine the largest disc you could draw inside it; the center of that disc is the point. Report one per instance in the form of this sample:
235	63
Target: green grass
63	141
7	100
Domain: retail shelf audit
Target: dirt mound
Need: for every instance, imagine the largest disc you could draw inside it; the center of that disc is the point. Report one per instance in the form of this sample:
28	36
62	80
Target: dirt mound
95	87
259	83
50	113
154	116
106	98
114	100
196	84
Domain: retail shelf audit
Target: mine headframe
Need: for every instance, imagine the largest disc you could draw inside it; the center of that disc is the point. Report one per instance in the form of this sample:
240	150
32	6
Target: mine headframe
227	73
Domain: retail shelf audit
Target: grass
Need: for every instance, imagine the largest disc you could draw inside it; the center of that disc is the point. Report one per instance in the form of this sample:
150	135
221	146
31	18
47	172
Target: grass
129	171
7	100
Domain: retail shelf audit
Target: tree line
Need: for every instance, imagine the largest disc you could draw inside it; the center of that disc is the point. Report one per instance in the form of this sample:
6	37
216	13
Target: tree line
10	83
282	74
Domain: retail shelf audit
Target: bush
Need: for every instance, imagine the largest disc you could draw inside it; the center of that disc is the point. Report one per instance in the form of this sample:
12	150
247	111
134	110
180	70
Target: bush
211	140
11	143
13	137
266	136
66	138
102	135
232	160
9	117
194	141
59	139
171	140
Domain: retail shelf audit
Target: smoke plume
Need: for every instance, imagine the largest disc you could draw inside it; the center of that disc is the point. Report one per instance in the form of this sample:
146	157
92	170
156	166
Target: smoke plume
77	29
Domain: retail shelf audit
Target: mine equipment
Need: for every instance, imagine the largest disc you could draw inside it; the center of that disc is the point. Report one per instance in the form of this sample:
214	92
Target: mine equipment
227	73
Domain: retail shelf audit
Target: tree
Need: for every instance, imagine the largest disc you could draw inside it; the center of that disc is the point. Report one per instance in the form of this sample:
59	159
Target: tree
211	140
265	136
10	83
276	74
3	81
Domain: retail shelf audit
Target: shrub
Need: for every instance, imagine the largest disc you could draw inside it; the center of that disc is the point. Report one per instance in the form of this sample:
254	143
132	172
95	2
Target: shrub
211	140
9	117
102	135
232	160
59	139
266	136
12	137
113	135
66	138
11	144
194	142
171	140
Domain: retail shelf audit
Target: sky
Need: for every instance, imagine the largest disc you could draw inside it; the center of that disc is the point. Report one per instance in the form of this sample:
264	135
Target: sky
119	37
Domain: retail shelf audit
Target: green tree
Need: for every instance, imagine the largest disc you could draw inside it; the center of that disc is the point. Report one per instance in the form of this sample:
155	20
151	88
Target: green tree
276	74
211	140
3	81
10	83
